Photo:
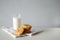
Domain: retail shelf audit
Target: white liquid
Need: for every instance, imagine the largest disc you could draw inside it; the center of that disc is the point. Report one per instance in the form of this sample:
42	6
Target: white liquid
16	23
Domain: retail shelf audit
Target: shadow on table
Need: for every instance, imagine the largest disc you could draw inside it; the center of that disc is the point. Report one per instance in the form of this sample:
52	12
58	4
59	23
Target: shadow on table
38	32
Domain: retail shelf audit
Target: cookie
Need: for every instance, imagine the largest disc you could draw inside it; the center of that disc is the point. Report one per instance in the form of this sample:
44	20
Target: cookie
19	31
27	28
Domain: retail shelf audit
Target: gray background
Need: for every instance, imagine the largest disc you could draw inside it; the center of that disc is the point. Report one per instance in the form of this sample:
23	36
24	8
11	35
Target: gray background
42	13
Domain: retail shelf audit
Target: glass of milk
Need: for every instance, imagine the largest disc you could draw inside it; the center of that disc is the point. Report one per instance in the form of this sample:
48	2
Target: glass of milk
16	21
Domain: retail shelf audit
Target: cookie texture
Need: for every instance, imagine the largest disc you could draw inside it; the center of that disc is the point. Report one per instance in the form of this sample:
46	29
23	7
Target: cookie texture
27	28
19	31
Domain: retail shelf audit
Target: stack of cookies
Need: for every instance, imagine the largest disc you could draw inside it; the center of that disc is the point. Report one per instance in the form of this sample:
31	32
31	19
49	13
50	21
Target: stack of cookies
25	28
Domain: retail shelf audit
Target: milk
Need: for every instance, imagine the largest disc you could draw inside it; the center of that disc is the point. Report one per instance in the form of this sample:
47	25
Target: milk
16	22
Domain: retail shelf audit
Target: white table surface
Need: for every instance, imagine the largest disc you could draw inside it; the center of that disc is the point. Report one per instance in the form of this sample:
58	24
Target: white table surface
46	34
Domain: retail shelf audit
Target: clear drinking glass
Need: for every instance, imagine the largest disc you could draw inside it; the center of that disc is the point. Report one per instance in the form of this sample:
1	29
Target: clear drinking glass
16	21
